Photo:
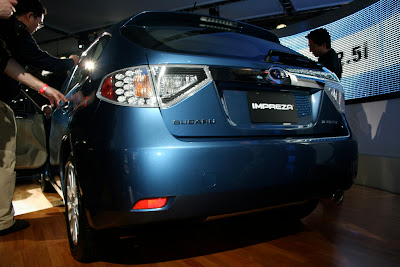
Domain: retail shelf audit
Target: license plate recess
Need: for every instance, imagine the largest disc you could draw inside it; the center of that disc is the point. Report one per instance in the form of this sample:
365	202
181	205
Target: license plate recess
272	107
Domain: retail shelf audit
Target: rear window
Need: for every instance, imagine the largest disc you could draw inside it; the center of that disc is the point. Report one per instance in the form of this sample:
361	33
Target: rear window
197	34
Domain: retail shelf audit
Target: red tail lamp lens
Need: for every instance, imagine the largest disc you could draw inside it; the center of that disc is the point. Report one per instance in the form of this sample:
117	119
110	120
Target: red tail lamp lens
107	89
151	203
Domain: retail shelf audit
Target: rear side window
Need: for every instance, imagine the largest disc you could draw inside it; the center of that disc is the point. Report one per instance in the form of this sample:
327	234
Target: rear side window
81	72
94	51
196	34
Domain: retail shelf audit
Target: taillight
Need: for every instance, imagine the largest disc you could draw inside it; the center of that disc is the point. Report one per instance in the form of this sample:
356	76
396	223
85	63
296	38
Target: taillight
151	203
107	89
129	87
175	83
336	94
139	87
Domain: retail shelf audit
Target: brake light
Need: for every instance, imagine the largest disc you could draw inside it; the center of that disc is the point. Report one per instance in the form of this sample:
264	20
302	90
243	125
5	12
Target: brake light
129	87
107	90
150	203
138	86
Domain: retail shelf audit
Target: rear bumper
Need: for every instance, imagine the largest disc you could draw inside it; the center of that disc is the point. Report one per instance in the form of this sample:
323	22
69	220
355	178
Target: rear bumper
209	178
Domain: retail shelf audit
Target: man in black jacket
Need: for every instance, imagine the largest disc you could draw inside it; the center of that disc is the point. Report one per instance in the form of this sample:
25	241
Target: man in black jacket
11	68
17	33
319	42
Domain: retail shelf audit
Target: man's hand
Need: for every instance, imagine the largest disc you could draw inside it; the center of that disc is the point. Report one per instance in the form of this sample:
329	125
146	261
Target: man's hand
54	96
7	8
18	73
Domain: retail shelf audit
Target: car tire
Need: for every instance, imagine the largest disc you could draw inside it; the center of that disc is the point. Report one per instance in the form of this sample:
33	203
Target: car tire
81	236
45	185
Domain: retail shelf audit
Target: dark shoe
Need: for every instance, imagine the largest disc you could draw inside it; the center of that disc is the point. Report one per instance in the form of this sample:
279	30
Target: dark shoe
17	226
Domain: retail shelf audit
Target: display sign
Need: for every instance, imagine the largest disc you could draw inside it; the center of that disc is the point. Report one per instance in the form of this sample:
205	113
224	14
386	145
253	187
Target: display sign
367	42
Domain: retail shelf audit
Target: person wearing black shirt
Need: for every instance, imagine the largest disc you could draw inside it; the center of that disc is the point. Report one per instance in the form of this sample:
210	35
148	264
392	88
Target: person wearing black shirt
17	34
11	68
319	42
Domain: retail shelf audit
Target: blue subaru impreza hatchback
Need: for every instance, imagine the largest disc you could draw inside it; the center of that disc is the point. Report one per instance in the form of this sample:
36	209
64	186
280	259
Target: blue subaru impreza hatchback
177	116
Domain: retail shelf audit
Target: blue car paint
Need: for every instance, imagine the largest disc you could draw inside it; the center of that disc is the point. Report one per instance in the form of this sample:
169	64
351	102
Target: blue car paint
124	154
141	159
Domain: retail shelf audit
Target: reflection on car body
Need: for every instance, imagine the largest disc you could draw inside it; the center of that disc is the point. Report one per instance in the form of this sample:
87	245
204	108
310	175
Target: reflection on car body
188	118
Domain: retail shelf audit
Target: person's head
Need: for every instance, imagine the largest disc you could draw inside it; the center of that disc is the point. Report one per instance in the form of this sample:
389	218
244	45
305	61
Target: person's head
319	41
47	110
31	13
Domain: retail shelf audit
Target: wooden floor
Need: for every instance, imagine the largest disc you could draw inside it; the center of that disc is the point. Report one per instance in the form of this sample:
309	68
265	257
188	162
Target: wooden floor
363	231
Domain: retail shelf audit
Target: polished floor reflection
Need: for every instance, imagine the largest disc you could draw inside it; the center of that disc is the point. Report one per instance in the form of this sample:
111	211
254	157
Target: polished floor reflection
362	231
28	197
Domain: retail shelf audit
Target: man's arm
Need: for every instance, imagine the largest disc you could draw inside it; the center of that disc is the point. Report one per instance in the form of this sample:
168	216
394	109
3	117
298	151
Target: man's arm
15	71
30	54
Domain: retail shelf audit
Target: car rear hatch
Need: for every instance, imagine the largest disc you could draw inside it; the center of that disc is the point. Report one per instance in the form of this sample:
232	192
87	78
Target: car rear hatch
221	78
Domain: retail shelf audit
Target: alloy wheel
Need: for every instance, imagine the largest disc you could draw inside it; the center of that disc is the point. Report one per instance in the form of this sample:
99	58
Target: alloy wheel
72	202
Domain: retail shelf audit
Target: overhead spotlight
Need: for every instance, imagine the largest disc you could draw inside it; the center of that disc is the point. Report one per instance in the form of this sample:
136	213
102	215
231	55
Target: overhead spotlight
82	44
83	41
281	26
